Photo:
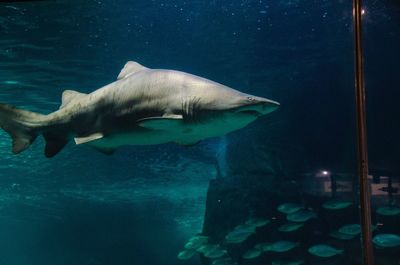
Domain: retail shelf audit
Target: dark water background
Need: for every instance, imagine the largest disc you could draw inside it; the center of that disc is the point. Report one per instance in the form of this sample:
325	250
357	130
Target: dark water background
141	204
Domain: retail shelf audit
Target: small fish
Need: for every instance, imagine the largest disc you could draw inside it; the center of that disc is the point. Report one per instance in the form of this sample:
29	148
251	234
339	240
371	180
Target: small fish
336	204
301	216
238	237
199	238
196	242
245	227
352	229
251	254
388	210
186	254
240	233
206	248
281	246
257	222
262	246
224	261
289	208
214	253
336	234
290	227
386	240
324	251
287	262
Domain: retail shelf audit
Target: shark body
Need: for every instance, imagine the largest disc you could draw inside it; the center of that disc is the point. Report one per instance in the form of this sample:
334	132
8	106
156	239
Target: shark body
143	107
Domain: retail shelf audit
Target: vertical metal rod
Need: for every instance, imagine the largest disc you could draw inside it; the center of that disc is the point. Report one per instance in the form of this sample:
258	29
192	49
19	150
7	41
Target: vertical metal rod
365	201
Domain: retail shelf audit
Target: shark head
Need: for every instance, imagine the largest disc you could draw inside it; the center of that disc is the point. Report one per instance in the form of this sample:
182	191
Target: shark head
200	108
243	109
220	109
239	115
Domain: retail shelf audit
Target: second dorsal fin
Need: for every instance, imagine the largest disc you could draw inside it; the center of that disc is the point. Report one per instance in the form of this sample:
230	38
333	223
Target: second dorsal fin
70	95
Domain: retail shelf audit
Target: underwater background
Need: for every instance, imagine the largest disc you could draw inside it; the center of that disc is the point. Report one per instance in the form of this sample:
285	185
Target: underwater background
142	204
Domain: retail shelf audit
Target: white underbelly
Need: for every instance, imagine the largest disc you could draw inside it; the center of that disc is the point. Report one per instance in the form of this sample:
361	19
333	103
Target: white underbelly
183	134
133	138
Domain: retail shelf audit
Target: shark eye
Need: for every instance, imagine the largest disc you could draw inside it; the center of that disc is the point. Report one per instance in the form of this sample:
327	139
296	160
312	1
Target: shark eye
250	99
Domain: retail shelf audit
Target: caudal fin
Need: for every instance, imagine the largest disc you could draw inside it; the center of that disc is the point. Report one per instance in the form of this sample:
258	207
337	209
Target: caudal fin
21	125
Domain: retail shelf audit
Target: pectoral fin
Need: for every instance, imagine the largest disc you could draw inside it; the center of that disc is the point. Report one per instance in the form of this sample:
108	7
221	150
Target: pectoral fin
165	123
89	138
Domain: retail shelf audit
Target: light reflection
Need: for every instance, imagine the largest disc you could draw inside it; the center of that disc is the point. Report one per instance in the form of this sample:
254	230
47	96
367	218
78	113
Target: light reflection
362	11
323	173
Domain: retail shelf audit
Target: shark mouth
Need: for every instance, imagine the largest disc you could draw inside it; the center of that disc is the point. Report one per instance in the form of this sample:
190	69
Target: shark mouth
258	109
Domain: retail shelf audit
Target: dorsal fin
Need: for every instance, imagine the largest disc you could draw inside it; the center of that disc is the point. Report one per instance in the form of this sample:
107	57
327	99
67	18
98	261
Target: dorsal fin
130	67
68	96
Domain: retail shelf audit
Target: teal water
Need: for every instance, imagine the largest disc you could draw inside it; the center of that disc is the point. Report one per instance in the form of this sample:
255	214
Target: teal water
142	204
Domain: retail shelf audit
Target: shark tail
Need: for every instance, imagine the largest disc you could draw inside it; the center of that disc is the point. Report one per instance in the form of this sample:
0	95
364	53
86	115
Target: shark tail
23	126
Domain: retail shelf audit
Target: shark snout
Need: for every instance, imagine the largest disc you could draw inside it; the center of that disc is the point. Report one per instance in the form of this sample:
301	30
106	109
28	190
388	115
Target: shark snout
268	106
257	106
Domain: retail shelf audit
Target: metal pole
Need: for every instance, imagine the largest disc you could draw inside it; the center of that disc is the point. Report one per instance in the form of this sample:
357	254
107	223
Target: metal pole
365	203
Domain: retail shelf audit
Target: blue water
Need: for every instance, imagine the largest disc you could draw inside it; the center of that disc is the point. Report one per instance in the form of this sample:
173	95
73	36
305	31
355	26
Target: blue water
141	205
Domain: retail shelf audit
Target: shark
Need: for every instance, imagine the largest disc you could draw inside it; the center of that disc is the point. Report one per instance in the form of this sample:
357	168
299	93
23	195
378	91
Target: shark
143	106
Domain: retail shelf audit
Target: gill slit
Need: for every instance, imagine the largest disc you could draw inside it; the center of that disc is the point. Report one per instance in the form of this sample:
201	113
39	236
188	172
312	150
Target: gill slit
190	109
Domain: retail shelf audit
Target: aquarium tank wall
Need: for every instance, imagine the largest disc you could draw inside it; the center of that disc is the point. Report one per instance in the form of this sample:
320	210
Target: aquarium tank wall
280	186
